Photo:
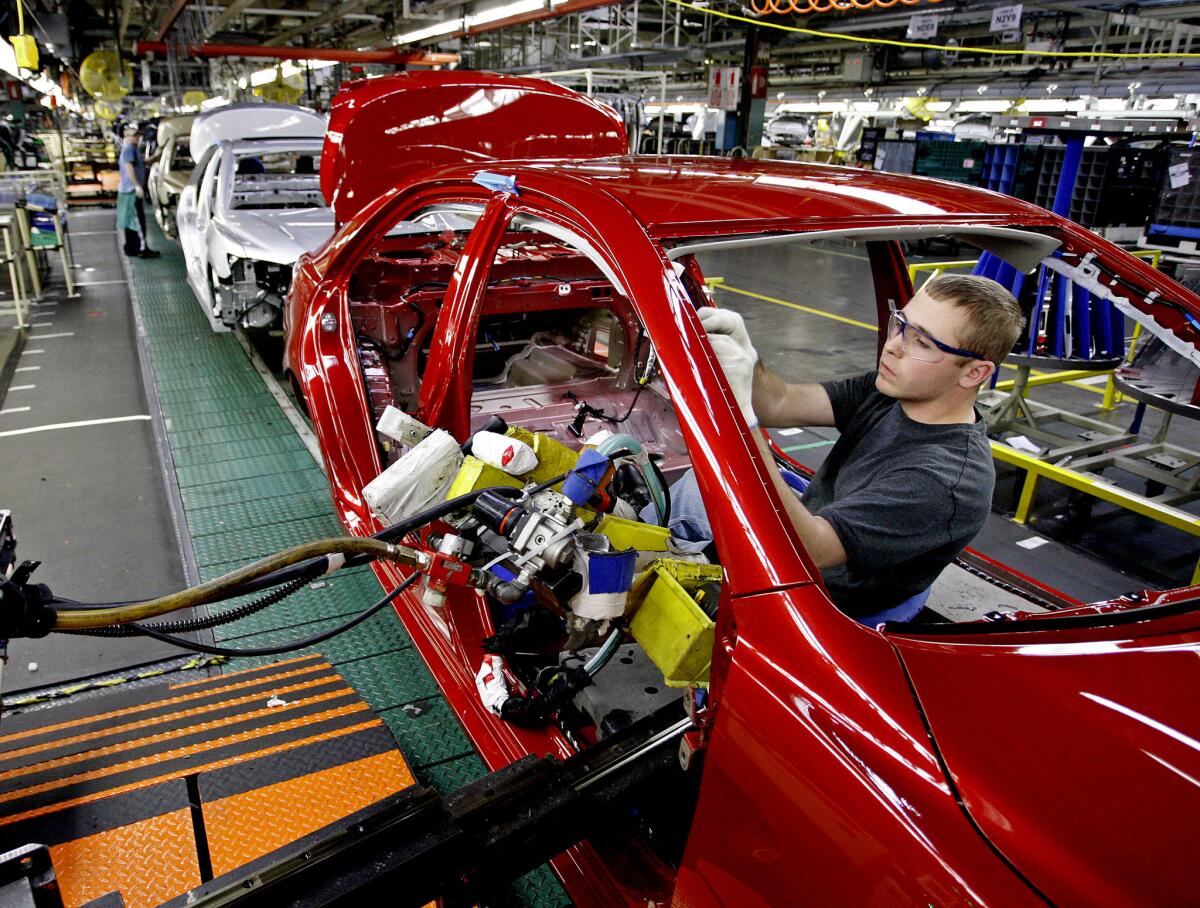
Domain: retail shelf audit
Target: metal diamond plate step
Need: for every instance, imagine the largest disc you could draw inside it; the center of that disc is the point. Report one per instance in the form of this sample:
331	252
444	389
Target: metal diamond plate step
252	431
266	448
453	774
401	677
200	421
212	494
377	635
427	731
265	512
326	598
244	468
255	542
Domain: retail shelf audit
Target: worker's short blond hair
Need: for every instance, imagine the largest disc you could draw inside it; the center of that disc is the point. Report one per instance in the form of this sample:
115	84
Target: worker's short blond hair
994	319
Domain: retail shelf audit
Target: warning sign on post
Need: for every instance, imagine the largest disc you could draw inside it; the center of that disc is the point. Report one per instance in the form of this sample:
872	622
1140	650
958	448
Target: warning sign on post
1006	18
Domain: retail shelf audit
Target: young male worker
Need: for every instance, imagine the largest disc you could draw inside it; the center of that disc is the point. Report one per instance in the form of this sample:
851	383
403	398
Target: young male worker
909	482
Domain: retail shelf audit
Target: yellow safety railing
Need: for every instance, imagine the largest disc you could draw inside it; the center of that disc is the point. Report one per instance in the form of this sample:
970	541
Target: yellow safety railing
1036	469
936	268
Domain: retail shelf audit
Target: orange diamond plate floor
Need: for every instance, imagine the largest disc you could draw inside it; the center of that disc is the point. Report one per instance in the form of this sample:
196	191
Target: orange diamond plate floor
151	792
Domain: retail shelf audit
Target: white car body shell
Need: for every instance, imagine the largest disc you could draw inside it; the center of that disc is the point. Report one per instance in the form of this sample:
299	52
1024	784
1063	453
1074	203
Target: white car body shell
170	171
213	231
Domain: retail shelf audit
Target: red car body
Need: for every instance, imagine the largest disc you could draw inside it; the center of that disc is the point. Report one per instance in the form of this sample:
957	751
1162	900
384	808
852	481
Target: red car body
1054	758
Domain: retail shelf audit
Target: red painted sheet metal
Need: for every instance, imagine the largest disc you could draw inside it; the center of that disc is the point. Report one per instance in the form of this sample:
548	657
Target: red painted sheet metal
382	131
821	785
1077	753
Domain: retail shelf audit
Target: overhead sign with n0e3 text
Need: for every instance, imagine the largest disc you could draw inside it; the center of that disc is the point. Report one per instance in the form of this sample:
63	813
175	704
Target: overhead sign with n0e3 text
1006	18
923	25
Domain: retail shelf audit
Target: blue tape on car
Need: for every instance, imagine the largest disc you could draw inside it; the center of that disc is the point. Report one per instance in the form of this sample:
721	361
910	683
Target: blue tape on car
507	611
611	572
497	182
585	479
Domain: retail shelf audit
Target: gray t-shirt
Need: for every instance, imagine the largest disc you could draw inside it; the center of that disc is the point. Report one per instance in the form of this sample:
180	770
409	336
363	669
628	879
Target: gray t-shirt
904	497
131	154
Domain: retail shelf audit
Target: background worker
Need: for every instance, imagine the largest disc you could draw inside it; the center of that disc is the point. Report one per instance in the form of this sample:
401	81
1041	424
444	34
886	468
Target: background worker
909	482
131	212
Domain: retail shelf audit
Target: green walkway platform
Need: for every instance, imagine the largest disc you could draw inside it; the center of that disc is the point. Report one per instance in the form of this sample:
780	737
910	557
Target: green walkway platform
249	488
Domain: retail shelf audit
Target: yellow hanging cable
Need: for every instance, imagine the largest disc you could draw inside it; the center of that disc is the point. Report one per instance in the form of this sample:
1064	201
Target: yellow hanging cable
20	18
995	51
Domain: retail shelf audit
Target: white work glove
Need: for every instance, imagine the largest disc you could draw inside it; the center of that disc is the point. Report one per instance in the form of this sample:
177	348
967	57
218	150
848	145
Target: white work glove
737	356
141	193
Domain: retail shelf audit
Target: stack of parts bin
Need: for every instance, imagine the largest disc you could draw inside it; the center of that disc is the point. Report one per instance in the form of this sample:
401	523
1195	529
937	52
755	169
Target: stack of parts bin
1177	214
960	162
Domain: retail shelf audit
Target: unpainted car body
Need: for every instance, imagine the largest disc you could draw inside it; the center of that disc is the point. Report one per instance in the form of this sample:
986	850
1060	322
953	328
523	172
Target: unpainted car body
788	129
170	169
1041	759
242	223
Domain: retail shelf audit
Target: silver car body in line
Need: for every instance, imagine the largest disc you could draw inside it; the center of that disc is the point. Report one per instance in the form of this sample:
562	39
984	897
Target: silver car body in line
241	232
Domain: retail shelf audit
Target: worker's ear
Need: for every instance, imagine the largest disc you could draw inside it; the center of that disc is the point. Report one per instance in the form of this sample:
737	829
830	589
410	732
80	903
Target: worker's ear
975	372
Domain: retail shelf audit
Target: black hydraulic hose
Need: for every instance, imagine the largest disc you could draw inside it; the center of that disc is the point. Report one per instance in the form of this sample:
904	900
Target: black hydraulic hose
294	645
316	566
233	582
396	531
209	622
294	575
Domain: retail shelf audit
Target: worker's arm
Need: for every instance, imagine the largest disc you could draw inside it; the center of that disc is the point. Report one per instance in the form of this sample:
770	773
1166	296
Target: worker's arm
781	405
818	535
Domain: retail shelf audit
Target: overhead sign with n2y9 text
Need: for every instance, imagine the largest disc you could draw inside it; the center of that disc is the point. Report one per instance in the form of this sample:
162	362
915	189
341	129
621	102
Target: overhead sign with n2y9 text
1006	18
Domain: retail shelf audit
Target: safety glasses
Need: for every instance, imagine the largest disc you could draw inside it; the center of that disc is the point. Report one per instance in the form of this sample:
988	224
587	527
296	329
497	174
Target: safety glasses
921	346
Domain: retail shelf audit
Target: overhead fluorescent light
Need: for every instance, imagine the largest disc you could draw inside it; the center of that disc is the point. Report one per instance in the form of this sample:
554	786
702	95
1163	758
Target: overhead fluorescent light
981	106
506	11
430	31
288	68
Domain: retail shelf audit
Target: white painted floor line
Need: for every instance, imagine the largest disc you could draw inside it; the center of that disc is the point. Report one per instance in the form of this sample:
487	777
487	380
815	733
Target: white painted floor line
71	425
13	410
98	283
40	337
94	233
22	387
26	368
31	352
42	325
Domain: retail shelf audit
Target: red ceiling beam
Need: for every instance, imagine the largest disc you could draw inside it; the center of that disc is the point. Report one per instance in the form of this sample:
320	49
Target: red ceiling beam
391	56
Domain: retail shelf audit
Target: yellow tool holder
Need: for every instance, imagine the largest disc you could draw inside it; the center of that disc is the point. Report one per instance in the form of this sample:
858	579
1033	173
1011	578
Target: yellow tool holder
673	630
